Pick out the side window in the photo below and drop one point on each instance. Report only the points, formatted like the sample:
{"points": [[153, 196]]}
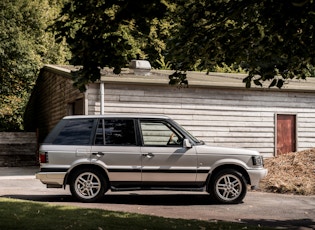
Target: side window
{"points": [[159, 133], [116, 131], [75, 132]]}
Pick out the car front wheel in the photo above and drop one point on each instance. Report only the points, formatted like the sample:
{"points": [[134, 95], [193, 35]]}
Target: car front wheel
{"points": [[88, 185], [228, 187]]}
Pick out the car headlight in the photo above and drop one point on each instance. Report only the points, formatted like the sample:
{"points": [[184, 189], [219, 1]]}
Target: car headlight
{"points": [[258, 160]]}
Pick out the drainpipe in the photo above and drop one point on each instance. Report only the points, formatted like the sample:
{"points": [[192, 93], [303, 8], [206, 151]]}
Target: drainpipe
{"points": [[102, 97], [86, 102]]}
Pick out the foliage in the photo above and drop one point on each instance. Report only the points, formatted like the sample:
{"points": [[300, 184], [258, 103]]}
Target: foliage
{"points": [[24, 47], [178, 78], [272, 40], [17, 214], [110, 34]]}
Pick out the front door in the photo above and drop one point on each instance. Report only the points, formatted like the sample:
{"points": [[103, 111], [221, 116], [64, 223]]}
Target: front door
{"points": [[286, 133], [165, 161]]}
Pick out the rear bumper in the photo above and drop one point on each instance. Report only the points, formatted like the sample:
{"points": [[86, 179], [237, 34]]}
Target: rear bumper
{"points": [[52, 178], [256, 175]]}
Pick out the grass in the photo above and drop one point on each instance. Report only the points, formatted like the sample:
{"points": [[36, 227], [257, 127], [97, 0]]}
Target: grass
{"points": [[17, 214]]}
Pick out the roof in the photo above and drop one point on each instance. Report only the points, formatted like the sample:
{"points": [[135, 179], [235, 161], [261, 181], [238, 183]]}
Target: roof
{"points": [[195, 79], [119, 115]]}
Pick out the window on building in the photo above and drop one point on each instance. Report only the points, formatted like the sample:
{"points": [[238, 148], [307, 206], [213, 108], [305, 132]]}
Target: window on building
{"points": [[76, 107]]}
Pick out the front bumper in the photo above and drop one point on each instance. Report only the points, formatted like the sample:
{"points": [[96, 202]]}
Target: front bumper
{"points": [[256, 175]]}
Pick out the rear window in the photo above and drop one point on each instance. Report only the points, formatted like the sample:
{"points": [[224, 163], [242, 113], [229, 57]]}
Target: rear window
{"points": [[75, 132]]}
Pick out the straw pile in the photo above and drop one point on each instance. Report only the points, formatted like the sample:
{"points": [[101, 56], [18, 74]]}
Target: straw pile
{"points": [[292, 173]]}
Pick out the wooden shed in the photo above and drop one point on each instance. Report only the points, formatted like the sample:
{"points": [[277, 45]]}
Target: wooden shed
{"points": [[216, 108]]}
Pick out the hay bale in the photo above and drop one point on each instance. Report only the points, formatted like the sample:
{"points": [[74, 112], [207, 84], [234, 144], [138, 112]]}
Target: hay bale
{"points": [[292, 173]]}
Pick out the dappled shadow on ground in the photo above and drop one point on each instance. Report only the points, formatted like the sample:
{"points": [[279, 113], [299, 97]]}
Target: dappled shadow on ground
{"points": [[42, 198], [299, 224], [178, 200]]}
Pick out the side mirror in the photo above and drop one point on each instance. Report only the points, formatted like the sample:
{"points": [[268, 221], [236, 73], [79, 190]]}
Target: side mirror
{"points": [[186, 143]]}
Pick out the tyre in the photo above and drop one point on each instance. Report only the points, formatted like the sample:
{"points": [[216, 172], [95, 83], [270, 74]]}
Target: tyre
{"points": [[228, 187], [88, 185]]}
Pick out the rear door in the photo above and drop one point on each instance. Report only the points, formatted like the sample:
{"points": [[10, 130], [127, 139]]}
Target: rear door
{"points": [[165, 162], [116, 146]]}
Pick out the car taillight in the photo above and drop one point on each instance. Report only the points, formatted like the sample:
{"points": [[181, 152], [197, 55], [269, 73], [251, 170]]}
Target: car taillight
{"points": [[43, 157]]}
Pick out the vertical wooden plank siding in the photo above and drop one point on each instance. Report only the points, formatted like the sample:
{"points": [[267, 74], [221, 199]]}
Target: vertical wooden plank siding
{"points": [[220, 117]]}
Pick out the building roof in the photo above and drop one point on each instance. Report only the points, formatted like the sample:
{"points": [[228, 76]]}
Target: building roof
{"points": [[195, 79]]}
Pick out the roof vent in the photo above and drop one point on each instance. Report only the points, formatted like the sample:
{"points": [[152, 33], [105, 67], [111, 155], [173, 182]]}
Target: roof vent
{"points": [[140, 67]]}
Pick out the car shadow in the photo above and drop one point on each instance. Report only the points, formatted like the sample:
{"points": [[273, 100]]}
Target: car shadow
{"points": [[129, 199], [159, 199]]}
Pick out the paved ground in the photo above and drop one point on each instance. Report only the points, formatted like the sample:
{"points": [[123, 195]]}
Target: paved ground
{"points": [[264, 209]]}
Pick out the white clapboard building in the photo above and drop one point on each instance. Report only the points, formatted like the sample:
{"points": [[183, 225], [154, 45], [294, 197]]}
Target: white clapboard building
{"points": [[215, 107]]}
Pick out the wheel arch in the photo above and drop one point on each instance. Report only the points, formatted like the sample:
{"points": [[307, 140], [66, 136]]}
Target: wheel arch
{"points": [[86, 166], [228, 166]]}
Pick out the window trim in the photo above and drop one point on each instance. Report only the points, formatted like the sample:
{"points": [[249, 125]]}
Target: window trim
{"points": [[171, 126], [104, 131]]}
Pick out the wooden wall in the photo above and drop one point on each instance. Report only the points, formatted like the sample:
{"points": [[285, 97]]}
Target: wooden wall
{"points": [[18, 149], [50, 101], [221, 117], [232, 118]]}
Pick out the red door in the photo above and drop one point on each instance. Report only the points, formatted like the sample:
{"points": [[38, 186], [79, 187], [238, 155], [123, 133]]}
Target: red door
{"points": [[286, 133]]}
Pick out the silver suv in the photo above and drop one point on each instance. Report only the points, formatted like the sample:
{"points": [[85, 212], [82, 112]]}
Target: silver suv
{"points": [[95, 153]]}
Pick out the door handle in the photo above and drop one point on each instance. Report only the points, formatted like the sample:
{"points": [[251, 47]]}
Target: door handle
{"points": [[148, 155], [98, 154]]}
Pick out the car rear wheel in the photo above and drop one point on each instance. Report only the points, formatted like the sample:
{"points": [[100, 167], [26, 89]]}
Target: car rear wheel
{"points": [[88, 185], [228, 187]]}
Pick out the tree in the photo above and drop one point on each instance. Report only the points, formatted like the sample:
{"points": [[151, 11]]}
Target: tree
{"points": [[272, 40], [24, 47], [109, 34]]}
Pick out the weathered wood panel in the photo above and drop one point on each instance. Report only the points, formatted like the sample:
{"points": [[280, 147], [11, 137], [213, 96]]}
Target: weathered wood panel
{"points": [[18, 149]]}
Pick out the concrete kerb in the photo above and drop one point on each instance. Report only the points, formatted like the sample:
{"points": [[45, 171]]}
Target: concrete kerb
{"points": [[7, 173]]}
